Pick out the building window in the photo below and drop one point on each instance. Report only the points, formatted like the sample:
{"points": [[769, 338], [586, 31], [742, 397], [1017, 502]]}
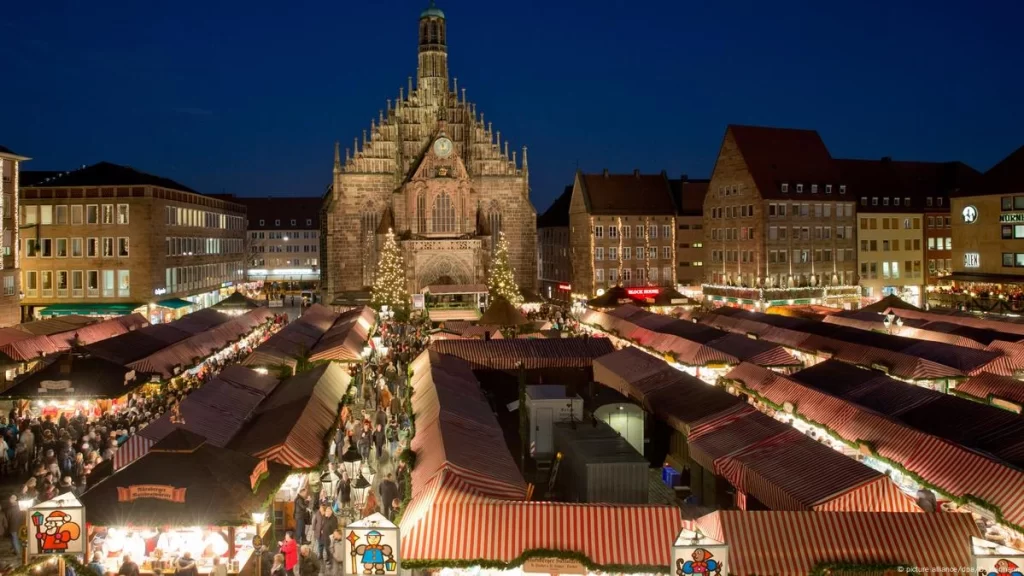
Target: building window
{"points": [[62, 283], [814, 188], [47, 248], [599, 275], [77, 283], [293, 222], [653, 230], [122, 247], [785, 187], [443, 217], [874, 201], [62, 214], [639, 231], [263, 222], [46, 277], [92, 214], [863, 200], [599, 253], [62, 247], [46, 215], [627, 253], [31, 283], [108, 247], [626, 230], [799, 188], [92, 283], [123, 284], [9, 285], [76, 215], [122, 213], [92, 248], [666, 230], [842, 188], [108, 213], [598, 231], [928, 201], [666, 252], [109, 287], [828, 188]]}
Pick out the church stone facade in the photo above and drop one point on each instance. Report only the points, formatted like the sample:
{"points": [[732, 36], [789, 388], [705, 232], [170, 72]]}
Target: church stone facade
{"points": [[433, 170]]}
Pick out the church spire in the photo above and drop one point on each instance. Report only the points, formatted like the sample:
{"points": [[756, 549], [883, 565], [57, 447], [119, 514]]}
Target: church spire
{"points": [[432, 74], [337, 157]]}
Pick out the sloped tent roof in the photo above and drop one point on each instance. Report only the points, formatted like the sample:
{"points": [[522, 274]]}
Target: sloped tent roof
{"points": [[56, 325], [612, 297], [17, 346], [216, 482], [186, 353], [457, 431], [795, 543], [295, 340], [502, 313], [532, 353], [986, 386], [236, 301], [102, 330], [890, 302], [947, 466], [89, 377], [137, 344], [292, 425], [346, 338], [218, 409]]}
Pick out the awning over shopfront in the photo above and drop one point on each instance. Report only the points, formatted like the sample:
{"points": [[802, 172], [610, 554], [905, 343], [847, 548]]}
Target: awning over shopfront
{"points": [[138, 344], [186, 353], [345, 339], [174, 303], [295, 340], [88, 309], [798, 543], [184, 481], [457, 524], [943, 464], [75, 377], [456, 430], [530, 353], [292, 426]]}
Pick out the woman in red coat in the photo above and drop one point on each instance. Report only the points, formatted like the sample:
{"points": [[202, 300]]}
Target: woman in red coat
{"points": [[290, 549]]}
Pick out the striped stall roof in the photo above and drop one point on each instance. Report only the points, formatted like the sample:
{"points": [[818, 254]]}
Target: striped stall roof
{"points": [[102, 330], [460, 524], [1010, 360], [190, 351], [688, 342], [790, 471], [758, 352], [532, 353], [986, 386], [795, 543], [295, 340], [623, 369], [987, 323], [456, 430], [732, 434], [134, 447], [346, 338]]}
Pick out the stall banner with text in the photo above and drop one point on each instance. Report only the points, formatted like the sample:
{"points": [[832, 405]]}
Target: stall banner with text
{"points": [[372, 546], [56, 529], [154, 491], [553, 566]]}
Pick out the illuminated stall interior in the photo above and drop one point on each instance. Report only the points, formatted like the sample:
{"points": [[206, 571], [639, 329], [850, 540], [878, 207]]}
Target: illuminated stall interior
{"points": [[74, 384], [183, 495]]}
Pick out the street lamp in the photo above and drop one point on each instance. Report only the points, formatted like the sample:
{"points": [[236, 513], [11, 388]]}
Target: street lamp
{"points": [[360, 490], [890, 320], [257, 541], [351, 460]]}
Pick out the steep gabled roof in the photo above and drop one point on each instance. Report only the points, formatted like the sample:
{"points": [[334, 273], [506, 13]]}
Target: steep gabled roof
{"points": [[557, 215], [8, 152], [901, 179], [784, 155], [263, 213], [108, 174], [636, 193], [1006, 177], [689, 195]]}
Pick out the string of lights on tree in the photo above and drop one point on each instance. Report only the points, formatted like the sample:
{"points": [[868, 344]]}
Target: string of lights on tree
{"points": [[501, 280], [389, 287]]}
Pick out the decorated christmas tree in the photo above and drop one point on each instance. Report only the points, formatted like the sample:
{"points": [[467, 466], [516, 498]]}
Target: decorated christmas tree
{"points": [[389, 287], [501, 282]]}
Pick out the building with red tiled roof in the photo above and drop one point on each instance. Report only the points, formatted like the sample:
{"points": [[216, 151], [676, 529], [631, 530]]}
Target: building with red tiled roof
{"points": [[689, 198], [283, 238], [621, 231]]}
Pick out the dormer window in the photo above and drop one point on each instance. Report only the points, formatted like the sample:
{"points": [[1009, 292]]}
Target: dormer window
{"points": [[263, 223], [928, 202], [277, 222], [885, 201], [863, 200], [842, 188], [785, 187], [828, 188], [906, 201], [814, 188], [940, 201], [874, 200], [799, 188], [895, 201]]}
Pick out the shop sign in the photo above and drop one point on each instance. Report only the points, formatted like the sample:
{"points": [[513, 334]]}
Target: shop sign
{"points": [[373, 547], [565, 287], [970, 214], [54, 385], [151, 491], [553, 566], [992, 559], [57, 527], [1011, 218], [258, 473], [972, 260], [418, 302], [160, 291], [643, 291], [694, 554], [129, 377]]}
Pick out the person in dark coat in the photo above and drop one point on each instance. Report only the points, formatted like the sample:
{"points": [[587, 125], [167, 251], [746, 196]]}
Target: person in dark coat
{"points": [[128, 568], [388, 494], [379, 438], [327, 527], [301, 514]]}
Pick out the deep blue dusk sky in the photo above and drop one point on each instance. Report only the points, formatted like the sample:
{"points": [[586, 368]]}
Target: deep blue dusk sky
{"points": [[248, 97]]}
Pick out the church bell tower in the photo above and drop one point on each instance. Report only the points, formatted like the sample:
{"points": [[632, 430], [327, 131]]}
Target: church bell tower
{"points": [[432, 75]]}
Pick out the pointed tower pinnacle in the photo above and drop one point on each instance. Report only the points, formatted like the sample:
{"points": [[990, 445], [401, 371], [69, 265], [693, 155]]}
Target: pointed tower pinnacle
{"points": [[337, 157], [526, 166]]}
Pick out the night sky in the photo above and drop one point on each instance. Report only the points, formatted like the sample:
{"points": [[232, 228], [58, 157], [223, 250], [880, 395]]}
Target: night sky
{"points": [[249, 97]]}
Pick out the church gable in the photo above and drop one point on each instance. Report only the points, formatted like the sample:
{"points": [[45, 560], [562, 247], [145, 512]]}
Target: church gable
{"points": [[441, 160]]}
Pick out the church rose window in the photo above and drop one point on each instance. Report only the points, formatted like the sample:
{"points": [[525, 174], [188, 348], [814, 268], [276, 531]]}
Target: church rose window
{"points": [[443, 213]]}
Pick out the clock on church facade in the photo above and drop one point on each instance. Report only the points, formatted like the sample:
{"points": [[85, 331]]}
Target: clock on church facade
{"points": [[431, 169]]}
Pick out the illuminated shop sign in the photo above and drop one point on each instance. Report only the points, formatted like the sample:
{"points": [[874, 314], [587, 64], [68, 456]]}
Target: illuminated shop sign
{"points": [[972, 260], [565, 287], [970, 214], [1012, 217], [643, 291]]}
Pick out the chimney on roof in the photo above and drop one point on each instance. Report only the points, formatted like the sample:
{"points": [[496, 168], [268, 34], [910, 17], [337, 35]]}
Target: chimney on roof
{"points": [[685, 177], [636, 172], [605, 172]]}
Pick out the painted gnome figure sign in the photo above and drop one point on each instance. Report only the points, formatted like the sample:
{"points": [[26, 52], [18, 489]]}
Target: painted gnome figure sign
{"points": [[55, 531], [373, 555], [373, 547]]}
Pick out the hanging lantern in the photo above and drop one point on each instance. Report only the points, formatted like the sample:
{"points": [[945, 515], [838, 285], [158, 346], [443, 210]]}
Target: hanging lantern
{"points": [[360, 490], [351, 461]]}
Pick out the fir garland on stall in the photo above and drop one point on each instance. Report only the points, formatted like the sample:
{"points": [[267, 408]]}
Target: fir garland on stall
{"points": [[538, 553], [389, 286], [501, 279]]}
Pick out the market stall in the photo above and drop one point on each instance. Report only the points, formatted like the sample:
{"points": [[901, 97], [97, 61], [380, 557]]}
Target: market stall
{"points": [[74, 384], [294, 340], [345, 340], [184, 496]]}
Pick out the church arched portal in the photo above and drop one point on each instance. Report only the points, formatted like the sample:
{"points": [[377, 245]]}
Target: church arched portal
{"points": [[445, 270]]}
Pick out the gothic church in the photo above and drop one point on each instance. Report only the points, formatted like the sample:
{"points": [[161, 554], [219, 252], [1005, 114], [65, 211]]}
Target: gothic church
{"points": [[432, 170]]}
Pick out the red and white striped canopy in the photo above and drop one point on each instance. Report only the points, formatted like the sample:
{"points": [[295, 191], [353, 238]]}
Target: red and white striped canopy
{"points": [[134, 447], [794, 543], [986, 386]]}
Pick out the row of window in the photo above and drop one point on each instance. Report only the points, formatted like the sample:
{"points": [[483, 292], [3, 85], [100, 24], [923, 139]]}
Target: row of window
{"points": [[939, 265], [1012, 231], [890, 270], [825, 277], [188, 278], [77, 283], [742, 211], [276, 262], [631, 276], [941, 243], [937, 222], [800, 256], [814, 188], [1009, 203], [294, 235], [293, 222], [74, 214], [890, 223], [691, 245], [893, 245], [627, 252], [930, 201], [804, 233], [689, 226], [196, 218], [818, 210], [613, 231], [94, 247], [688, 264], [290, 248], [201, 246]]}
